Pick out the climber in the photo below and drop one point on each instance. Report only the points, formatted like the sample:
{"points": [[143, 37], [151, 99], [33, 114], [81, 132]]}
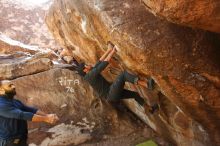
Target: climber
{"points": [[14, 116], [114, 91]]}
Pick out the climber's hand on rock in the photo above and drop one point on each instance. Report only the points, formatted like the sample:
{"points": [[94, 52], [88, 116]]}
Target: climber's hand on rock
{"points": [[116, 48], [110, 46], [110, 49]]}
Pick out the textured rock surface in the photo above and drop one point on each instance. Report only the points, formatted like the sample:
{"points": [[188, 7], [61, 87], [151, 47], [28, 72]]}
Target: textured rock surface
{"points": [[195, 13], [60, 91], [18, 59], [51, 92], [82, 115], [176, 57], [23, 20], [22, 67]]}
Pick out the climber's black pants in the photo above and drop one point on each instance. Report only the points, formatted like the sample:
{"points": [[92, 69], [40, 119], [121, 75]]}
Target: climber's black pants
{"points": [[118, 92]]}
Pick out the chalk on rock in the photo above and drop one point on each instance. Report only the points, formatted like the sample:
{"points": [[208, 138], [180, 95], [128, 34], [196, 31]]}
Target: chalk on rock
{"points": [[63, 106], [68, 59]]}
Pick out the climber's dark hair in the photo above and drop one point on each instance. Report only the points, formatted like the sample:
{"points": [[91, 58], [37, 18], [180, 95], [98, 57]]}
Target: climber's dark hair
{"points": [[79, 68]]}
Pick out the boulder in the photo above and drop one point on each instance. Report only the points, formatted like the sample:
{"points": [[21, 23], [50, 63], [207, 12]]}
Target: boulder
{"points": [[12, 68], [18, 59], [175, 57], [194, 13], [9, 46], [66, 94], [26, 22], [83, 116]]}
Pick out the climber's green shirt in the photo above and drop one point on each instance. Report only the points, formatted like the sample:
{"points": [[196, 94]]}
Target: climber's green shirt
{"points": [[96, 80]]}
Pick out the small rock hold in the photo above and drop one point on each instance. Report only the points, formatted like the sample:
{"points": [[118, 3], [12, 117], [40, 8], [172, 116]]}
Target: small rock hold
{"points": [[63, 106], [68, 59]]}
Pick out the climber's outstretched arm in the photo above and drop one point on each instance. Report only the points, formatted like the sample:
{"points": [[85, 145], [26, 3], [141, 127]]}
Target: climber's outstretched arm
{"points": [[108, 58], [101, 65], [110, 47]]}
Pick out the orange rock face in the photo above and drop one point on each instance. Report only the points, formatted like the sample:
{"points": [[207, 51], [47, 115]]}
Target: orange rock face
{"points": [[176, 57], [195, 13]]}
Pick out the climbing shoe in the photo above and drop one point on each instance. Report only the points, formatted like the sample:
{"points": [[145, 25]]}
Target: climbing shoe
{"points": [[150, 84], [154, 108]]}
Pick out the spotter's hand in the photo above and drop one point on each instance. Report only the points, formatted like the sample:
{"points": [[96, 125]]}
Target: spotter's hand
{"points": [[52, 118]]}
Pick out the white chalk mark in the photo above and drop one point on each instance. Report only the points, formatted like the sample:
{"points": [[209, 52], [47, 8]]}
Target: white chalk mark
{"points": [[69, 82], [63, 106], [76, 82], [83, 24], [70, 89]]}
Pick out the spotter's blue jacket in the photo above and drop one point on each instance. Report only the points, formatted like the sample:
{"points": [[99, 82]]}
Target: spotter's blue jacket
{"points": [[13, 118]]}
